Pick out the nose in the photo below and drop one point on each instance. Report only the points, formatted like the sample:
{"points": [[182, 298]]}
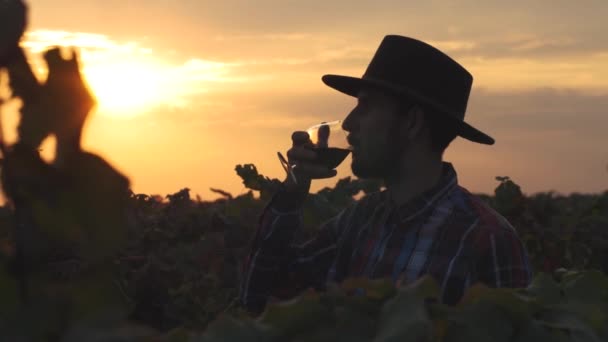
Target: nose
{"points": [[348, 124]]}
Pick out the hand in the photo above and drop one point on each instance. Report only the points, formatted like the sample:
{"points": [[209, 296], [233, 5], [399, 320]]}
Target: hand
{"points": [[302, 156]]}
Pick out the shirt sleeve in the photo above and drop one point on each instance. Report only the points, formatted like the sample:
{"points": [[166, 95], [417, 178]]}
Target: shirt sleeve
{"points": [[504, 261], [277, 267]]}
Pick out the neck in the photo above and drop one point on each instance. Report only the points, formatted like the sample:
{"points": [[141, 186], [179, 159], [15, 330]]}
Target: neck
{"points": [[414, 177]]}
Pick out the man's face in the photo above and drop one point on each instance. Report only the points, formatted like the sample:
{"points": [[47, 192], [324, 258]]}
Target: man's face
{"points": [[373, 127]]}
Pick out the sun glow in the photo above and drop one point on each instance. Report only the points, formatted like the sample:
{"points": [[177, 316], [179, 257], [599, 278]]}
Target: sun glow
{"points": [[125, 88], [126, 78]]}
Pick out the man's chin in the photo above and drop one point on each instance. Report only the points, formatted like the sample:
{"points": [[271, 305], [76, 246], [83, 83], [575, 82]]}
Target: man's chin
{"points": [[362, 170], [377, 168]]}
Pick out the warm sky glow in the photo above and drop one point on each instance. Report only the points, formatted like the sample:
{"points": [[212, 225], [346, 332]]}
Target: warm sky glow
{"points": [[127, 79], [188, 89], [140, 89]]}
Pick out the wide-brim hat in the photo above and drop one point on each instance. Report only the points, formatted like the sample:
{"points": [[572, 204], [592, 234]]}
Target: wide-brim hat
{"points": [[412, 69]]}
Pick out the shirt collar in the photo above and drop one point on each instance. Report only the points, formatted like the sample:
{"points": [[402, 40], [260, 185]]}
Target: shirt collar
{"points": [[428, 199]]}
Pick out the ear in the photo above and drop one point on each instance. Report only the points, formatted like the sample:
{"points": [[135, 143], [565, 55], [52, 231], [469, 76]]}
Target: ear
{"points": [[414, 124]]}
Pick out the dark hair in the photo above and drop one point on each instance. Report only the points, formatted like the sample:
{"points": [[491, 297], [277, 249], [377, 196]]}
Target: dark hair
{"points": [[441, 130]]}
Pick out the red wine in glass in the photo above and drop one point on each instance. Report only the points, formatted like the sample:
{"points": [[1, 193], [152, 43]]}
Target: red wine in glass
{"points": [[331, 144]]}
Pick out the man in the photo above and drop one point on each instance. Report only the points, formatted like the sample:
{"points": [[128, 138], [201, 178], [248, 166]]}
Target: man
{"points": [[411, 104]]}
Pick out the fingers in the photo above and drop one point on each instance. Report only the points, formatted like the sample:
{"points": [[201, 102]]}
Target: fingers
{"points": [[302, 147], [300, 138], [301, 153], [313, 171], [303, 157]]}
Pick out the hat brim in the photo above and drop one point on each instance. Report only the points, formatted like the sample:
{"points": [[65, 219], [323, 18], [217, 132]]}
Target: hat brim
{"points": [[352, 85]]}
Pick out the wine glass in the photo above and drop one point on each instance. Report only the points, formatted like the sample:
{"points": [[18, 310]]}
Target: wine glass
{"points": [[330, 142], [330, 145]]}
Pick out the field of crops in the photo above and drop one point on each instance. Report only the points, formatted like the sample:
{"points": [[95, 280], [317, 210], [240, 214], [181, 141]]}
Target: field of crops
{"points": [[177, 279]]}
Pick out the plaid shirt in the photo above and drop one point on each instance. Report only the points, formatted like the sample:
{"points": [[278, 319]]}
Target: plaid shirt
{"points": [[446, 232]]}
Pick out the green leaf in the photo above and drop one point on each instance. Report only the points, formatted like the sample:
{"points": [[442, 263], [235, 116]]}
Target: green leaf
{"points": [[482, 321], [511, 301], [560, 319], [297, 316], [9, 294], [533, 331], [404, 318], [594, 315], [375, 289], [230, 329], [424, 287], [589, 286], [545, 289], [354, 325]]}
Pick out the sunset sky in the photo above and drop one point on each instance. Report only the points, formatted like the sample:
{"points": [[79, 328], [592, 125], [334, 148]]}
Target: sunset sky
{"points": [[189, 89]]}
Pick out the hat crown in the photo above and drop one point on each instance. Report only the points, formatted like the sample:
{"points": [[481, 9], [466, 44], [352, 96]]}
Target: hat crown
{"points": [[423, 69]]}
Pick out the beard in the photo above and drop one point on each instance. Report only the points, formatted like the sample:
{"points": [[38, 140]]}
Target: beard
{"points": [[378, 159], [379, 165]]}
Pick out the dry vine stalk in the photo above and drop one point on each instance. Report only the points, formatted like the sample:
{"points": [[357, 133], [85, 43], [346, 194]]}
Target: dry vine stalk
{"points": [[13, 21], [70, 214]]}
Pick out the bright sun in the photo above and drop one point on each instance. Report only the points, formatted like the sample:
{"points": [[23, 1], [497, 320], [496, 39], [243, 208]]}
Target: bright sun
{"points": [[124, 88]]}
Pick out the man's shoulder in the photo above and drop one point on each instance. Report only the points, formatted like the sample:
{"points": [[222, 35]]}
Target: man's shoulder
{"points": [[488, 220]]}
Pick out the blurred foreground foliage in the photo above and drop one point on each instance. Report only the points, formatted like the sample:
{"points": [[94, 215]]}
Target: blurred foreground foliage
{"points": [[572, 307], [177, 278]]}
